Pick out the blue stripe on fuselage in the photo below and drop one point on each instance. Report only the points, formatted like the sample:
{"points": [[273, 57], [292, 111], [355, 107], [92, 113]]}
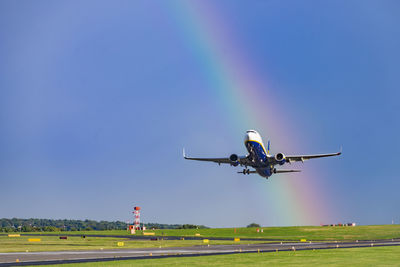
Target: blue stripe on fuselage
{"points": [[257, 152]]}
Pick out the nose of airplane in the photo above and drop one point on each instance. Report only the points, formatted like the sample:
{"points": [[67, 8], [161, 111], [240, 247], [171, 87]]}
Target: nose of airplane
{"points": [[250, 135]]}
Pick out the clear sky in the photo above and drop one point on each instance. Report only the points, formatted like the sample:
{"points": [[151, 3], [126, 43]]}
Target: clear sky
{"points": [[98, 98]]}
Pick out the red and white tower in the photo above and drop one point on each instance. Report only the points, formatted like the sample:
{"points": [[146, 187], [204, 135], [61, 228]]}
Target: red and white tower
{"points": [[136, 214]]}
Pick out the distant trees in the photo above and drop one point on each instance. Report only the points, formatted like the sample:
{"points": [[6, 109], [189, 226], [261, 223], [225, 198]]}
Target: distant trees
{"points": [[191, 226], [253, 225], [48, 225], [162, 226], [50, 229], [38, 225]]}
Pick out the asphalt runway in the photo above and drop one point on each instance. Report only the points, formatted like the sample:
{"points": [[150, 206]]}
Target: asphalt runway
{"points": [[60, 257]]}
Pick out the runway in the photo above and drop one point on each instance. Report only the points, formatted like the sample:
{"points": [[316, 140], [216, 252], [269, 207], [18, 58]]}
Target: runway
{"points": [[60, 257]]}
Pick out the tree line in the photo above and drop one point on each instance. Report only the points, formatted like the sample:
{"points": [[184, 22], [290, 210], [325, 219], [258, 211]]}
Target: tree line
{"points": [[51, 225]]}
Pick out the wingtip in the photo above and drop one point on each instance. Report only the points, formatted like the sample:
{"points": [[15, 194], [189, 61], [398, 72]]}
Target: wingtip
{"points": [[184, 153], [340, 151]]}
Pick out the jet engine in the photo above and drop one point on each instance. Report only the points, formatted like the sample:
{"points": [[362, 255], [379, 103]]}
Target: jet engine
{"points": [[280, 158], [234, 160]]}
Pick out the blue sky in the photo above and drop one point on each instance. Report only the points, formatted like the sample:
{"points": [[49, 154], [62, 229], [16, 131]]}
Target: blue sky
{"points": [[97, 99]]}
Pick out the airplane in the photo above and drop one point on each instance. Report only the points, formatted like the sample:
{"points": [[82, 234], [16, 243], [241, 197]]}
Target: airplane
{"points": [[259, 158]]}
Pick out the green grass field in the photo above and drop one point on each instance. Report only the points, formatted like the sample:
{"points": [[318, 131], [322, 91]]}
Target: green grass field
{"points": [[296, 233], [378, 256], [277, 233], [53, 243]]}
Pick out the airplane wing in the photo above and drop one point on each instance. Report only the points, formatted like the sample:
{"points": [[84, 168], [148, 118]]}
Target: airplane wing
{"points": [[242, 160], [216, 160], [307, 157]]}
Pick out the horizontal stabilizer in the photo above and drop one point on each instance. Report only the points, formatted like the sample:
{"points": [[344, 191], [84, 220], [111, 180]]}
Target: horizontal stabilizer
{"points": [[284, 171], [247, 172]]}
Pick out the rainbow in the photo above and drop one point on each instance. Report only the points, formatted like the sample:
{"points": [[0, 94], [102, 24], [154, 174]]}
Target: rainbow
{"points": [[298, 200]]}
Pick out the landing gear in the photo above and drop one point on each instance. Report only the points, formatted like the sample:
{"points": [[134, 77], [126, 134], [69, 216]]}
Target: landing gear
{"points": [[246, 171]]}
